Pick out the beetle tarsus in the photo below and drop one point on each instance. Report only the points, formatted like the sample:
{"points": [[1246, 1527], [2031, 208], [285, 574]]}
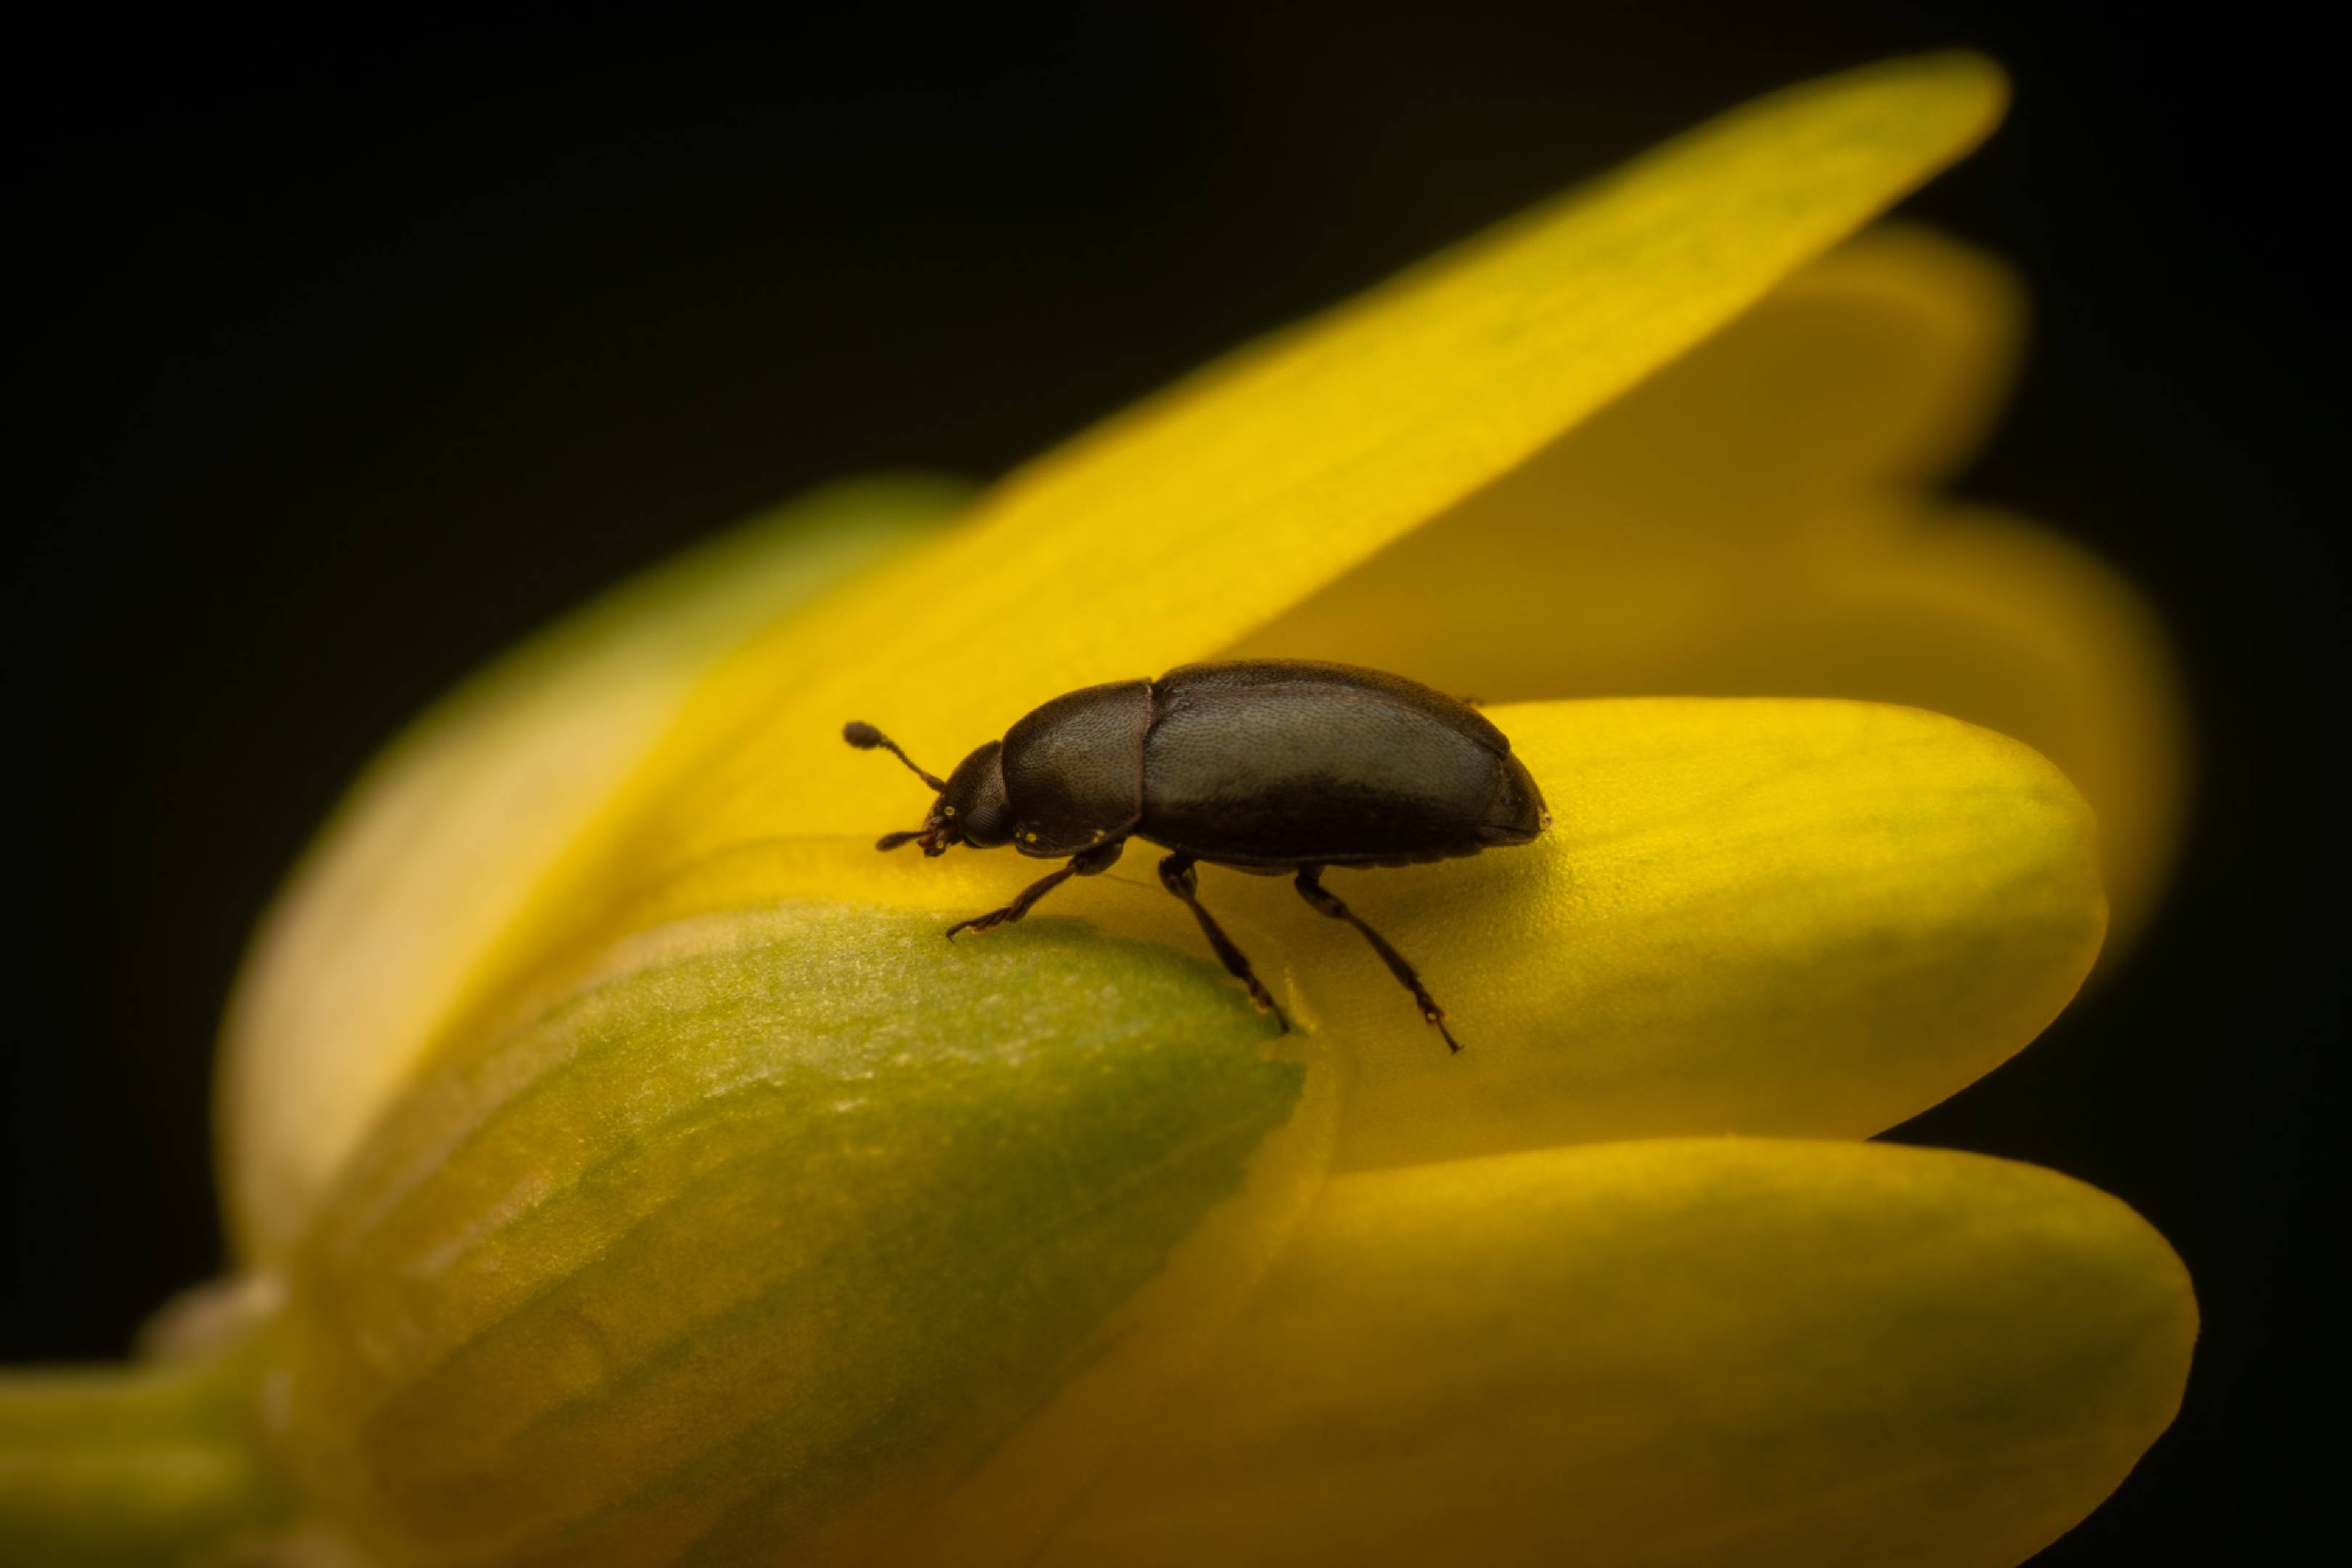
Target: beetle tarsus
{"points": [[1086, 863], [1311, 887], [979, 922], [1176, 874]]}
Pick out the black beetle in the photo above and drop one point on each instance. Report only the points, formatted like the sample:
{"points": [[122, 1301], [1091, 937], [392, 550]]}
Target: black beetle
{"points": [[1265, 765]]}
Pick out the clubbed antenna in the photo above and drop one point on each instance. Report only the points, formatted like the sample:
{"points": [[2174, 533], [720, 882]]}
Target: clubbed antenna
{"points": [[865, 737]]}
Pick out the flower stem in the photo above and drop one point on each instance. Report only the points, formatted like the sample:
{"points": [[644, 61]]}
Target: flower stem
{"points": [[148, 1464]]}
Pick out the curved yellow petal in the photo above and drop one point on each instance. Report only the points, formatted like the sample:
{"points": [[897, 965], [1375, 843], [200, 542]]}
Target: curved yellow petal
{"points": [[1878, 366], [1793, 918], [436, 846], [1995, 620], [1554, 585], [1716, 1353], [1914, 338], [1178, 526], [777, 1229], [1738, 525], [1811, 918]]}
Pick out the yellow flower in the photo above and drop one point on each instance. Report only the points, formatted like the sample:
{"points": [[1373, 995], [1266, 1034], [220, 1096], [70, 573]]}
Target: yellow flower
{"points": [[627, 1172]]}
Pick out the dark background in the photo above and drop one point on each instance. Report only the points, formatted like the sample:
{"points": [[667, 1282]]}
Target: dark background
{"points": [[352, 356]]}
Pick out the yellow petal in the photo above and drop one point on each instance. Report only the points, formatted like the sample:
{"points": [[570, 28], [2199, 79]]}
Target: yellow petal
{"points": [[1875, 367], [778, 1229], [430, 854], [1810, 918], [1880, 364], [1793, 918], [1995, 620], [1914, 339], [1736, 526], [1712, 1353], [1180, 525]]}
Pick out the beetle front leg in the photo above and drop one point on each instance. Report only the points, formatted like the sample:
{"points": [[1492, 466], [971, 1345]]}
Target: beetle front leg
{"points": [[1085, 863], [1176, 874], [1310, 887]]}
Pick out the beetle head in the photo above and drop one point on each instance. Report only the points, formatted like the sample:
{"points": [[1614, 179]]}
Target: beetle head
{"points": [[971, 808]]}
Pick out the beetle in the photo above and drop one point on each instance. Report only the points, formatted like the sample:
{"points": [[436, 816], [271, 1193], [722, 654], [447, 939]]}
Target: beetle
{"points": [[1264, 766]]}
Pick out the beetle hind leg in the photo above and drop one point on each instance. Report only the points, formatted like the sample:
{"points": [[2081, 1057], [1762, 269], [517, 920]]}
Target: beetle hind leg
{"points": [[1310, 887], [1176, 874], [1086, 863]]}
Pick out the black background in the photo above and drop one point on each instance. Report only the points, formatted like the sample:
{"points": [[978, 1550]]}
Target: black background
{"points": [[353, 355]]}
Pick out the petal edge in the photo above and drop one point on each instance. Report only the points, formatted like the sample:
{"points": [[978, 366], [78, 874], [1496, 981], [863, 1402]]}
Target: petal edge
{"points": [[1685, 1353]]}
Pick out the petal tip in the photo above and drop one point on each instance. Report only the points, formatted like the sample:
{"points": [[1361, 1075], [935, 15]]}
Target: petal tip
{"points": [[1969, 76]]}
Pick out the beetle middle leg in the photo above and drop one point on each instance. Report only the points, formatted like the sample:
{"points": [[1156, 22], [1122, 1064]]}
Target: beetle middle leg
{"points": [[1310, 887], [1085, 863], [1176, 874]]}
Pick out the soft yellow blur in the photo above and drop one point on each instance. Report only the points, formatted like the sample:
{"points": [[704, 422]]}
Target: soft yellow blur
{"points": [[1752, 520], [1723, 1354]]}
